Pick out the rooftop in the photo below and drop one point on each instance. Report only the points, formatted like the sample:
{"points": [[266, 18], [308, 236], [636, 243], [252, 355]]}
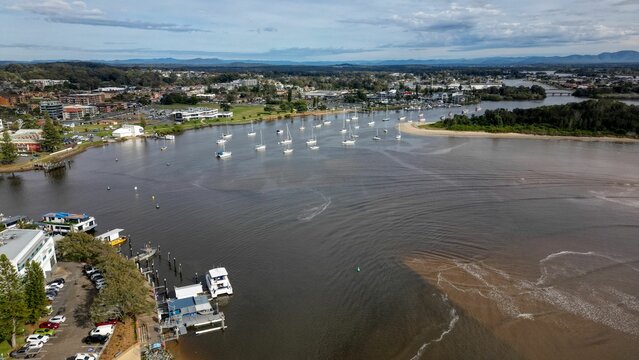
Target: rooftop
{"points": [[218, 272], [13, 241]]}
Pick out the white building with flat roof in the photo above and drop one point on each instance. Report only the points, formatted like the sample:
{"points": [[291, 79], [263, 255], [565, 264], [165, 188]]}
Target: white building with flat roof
{"points": [[22, 246], [128, 131]]}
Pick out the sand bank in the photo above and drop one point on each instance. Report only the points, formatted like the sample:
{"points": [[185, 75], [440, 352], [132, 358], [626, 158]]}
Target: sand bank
{"points": [[415, 130]]}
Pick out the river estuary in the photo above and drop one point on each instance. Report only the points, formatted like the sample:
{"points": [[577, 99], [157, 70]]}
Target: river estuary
{"points": [[499, 247]]}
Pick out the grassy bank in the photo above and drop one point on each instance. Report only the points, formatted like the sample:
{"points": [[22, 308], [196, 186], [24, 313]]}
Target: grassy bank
{"points": [[48, 158]]}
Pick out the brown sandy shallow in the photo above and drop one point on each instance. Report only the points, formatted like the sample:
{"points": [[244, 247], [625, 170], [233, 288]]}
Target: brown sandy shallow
{"points": [[415, 130], [519, 314]]}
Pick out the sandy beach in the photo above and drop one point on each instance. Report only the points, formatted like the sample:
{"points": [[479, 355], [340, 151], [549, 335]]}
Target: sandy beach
{"points": [[415, 130]]}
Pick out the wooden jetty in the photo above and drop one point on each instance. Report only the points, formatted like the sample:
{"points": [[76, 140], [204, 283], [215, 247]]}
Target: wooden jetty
{"points": [[50, 166]]}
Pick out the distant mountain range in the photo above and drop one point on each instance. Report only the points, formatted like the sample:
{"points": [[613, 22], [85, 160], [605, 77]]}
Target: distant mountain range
{"points": [[620, 57]]}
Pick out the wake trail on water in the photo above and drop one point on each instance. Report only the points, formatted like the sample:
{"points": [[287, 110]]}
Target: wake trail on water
{"points": [[309, 214], [451, 325]]}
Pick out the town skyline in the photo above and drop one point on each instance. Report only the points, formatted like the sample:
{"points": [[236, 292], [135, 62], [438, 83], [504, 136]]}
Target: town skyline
{"points": [[309, 31]]}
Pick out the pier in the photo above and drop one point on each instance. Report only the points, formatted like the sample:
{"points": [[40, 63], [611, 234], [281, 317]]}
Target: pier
{"points": [[50, 166]]}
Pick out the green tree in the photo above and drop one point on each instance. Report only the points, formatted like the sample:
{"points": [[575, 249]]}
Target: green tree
{"points": [[51, 137], [289, 95], [13, 309], [143, 123], [80, 247], [8, 150], [226, 106], [35, 297]]}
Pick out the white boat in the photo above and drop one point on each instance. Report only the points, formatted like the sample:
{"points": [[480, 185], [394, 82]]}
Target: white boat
{"points": [[287, 140], [169, 137], [288, 150], [218, 282], [327, 122], [223, 154], [302, 128], [314, 147], [312, 141], [227, 134], [252, 133], [465, 111], [402, 118], [163, 148], [343, 131], [371, 123], [355, 118], [399, 133], [478, 109], [279, 131], [376, 137], [221, 141], [63, 223], [318, 126], [260, 146], [350, 140]]}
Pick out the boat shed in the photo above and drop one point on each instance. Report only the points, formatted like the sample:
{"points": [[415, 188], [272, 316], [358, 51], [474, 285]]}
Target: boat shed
{"points": [[189, 306], [110, 235], [188, 291]]}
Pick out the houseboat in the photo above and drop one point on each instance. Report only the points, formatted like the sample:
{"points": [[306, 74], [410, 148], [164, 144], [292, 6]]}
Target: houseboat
{"points": [[218, 282], [113, 237], [64, 223]]}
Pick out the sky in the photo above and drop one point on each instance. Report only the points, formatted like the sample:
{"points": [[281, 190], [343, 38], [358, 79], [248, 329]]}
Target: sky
{"points": [[304, 30]]}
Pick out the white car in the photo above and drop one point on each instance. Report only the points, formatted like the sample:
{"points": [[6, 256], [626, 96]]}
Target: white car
{"points": [[34, 345], [58, 319], [85, 356], [37, 338], [102, 330]]}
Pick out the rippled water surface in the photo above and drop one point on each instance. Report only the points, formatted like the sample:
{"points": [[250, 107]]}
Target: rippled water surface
{"points": [[556, 221]]}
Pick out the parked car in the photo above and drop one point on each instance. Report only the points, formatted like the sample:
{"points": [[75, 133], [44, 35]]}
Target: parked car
{"points": [[49, 325], [57, 284], [85, 356], [58, 319], [58, 280], [102, 330], [100, 286], [95, 275], [44, 331], [96, 339], [34, 345], [37, 338], [108, 322], [50, 297], [51, 288], [24, 353], [90, 271]]}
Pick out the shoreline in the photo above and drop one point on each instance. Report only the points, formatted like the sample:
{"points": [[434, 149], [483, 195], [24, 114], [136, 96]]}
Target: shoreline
{"points": [[413, 129], [30, 165]]}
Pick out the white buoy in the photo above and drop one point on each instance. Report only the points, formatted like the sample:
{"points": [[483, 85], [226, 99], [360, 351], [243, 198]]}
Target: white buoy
{"points": [[135, 188], [108, 188]]}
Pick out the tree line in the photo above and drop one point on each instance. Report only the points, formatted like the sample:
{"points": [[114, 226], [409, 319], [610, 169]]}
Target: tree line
{"points": [[592, 117], [507, 93], [22, 298]]}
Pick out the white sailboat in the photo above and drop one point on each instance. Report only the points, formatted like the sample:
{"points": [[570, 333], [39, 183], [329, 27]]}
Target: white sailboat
{"points": [[371, 123], [312, 141], [252, 132], [343, 131], [350, 140], [223, 154], [287, 140], [376, 137], [288, 150], [386, 118], [399, 132], [220, 141], [228, 133], [260, 146]]}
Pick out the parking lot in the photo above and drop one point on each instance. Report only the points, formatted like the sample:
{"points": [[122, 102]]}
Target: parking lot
{"points": [[73, 301]]}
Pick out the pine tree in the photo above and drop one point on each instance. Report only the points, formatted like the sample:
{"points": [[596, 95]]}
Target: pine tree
{"points": [[52, 136], [13, 310], [8, 150], [36, 299]]}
